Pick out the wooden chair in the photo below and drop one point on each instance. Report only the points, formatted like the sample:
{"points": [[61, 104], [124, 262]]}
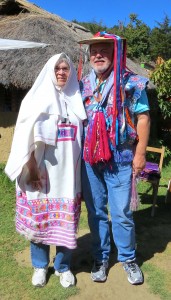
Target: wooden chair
{"points": [[168, 193], [152, 173]]}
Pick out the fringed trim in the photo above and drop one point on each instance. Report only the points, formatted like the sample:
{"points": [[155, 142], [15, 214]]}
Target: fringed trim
{"points": [[134, 204]]}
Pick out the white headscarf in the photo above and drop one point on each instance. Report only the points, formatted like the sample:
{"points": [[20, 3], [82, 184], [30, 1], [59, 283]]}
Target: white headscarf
{"points": [[43, 96], [42, 102]]}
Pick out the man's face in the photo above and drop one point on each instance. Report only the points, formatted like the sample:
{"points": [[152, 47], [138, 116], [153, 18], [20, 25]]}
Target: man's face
{"points": [[101, 57]]}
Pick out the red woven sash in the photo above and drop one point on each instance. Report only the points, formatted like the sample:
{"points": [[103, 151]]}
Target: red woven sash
{"points": [[96, 147]]}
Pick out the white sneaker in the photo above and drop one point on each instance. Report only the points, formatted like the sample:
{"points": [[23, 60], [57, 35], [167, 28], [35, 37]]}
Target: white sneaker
{"points": [[39, 277], [67, 279]]}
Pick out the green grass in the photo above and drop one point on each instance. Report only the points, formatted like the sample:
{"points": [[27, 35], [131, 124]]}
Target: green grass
{"points": [[157, 280], [153, 237]]}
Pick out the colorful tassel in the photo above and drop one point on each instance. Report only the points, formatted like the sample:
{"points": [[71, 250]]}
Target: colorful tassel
{"points": [[96, 147], [134, 194]]}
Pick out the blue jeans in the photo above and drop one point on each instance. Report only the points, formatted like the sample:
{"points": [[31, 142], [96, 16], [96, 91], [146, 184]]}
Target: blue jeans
{"points": [[40, 257], [109, 185]]}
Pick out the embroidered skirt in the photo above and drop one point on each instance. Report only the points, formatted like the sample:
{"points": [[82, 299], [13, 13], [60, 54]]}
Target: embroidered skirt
{"points": [[49, 220]]}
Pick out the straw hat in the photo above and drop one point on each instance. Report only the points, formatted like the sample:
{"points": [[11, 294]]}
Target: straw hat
{"points": [[95, 40], [100, 37]]}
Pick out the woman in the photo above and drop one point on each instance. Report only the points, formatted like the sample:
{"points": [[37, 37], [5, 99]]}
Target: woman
{"points": [[45, 160]]}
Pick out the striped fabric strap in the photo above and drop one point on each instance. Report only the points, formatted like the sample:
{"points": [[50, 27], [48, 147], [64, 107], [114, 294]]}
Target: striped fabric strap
{"points": [[119, 62]]}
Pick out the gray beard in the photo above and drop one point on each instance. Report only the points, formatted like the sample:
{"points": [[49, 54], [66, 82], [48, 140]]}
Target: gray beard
{"points": [[100, 70]]}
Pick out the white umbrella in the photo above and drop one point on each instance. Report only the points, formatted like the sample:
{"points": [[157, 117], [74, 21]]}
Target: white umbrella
{"points": [[6, 44]]}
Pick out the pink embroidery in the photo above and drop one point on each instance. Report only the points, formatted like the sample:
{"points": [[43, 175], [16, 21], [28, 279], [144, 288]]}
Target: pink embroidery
{"points": [[66, 132], [48, 220]]}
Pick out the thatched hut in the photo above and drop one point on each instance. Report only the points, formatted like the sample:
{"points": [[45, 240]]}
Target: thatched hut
{"points": [[21, 20], [24, 21]]}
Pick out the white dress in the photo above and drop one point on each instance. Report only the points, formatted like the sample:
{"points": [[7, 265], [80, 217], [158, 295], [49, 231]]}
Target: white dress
{"points": [[51, 216]]}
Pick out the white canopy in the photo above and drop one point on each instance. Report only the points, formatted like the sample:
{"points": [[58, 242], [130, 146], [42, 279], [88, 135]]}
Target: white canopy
{"points": [[6, 44]]}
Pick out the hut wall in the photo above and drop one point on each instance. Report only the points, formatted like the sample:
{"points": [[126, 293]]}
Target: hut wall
{"points": [[10, 100], [7, 121]]}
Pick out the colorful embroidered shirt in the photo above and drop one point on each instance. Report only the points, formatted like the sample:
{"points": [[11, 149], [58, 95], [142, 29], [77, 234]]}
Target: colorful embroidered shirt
{"points": [[135, 102]]}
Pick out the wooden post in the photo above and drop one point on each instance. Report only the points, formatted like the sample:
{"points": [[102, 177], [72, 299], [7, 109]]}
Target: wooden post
{"points": [[168, 194]]}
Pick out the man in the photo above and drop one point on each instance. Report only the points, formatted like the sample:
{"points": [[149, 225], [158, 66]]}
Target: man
{"points": [[116, 137]]}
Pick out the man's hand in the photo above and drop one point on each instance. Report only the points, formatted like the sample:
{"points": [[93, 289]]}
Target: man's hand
{"points": [[138, 163]]}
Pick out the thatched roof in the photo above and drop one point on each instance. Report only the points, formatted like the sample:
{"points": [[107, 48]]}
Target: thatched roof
{"points": [[135, 67], [22, 20]]}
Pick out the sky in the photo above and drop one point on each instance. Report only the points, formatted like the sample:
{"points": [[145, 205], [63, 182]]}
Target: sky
{"points": [[109, 12]]}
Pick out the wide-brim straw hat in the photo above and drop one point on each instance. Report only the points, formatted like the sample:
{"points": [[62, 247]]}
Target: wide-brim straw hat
{"points": [[95, 40], [101, 37]]}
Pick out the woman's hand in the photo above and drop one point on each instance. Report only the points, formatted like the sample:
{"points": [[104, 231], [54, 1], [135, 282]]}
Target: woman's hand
{"points": [[34, 174]]}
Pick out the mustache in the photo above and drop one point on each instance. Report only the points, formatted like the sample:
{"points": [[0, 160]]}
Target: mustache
{"points": [[99, 60]]}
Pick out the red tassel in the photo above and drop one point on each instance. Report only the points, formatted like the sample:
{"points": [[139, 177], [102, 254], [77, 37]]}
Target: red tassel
{"points": [[80, 66], [96, 144]]}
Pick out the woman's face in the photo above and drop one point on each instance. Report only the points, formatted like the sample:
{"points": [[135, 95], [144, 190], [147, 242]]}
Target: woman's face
{"points": [[62, 71]]}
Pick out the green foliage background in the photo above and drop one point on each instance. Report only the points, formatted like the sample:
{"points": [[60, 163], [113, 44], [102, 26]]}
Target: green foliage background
{"points": [[143, 43]]}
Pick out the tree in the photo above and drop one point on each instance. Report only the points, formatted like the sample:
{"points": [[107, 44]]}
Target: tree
{"points": [[137, 33], [93, 26], [162, 79], [160, 40], [144, 44]]}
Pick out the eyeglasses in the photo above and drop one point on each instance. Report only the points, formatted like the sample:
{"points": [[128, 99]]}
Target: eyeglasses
{"points": [[64, 70]]}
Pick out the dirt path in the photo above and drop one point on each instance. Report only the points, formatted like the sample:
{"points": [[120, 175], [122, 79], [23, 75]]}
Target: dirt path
{"points": [[116, 286]]}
